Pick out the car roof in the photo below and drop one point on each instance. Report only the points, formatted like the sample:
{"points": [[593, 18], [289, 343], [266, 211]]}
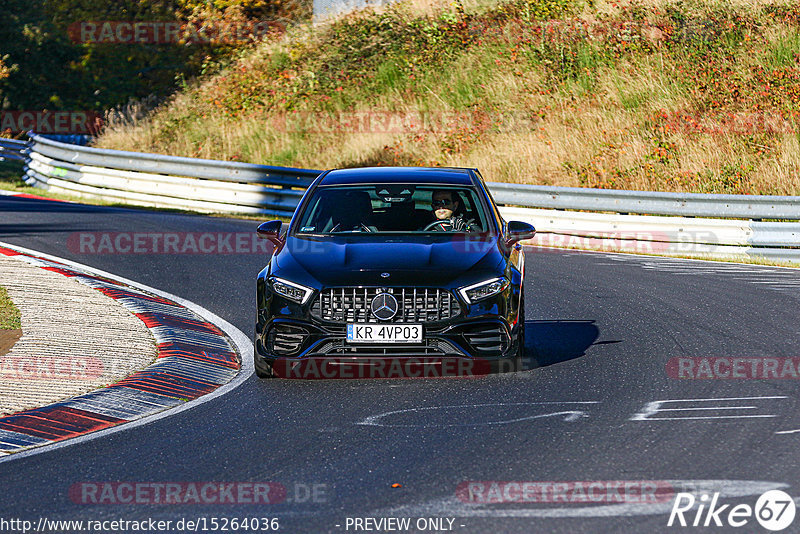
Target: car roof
{"points": [[388, 175]]}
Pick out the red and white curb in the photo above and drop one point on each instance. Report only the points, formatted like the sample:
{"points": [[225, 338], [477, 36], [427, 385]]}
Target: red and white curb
{"points": [[5, 193], [200, 356]]}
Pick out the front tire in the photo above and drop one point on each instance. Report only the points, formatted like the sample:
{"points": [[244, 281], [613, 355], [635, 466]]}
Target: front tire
{"points": [[513, 363], [520, 354], [262, 366]]}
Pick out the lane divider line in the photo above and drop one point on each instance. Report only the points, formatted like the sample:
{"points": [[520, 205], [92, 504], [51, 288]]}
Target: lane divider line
{"points": [[200, 357]]}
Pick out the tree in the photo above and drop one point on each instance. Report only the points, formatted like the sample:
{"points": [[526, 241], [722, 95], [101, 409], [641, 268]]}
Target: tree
{"points": [[48, 65]]}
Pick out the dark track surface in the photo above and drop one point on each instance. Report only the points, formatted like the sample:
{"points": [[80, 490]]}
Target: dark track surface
{"points": [[603, 325]]}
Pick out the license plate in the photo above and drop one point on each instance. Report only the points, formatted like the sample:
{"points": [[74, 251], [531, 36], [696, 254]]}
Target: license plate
{"points": [[384, 333]]}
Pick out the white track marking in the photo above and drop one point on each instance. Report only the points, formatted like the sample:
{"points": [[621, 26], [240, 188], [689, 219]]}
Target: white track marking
{"points": [[725, 398], [655, 407], [709, 408], [777, 278], [569, 415], [242, 342], [707, 417], [639, 258], [780, 287]]}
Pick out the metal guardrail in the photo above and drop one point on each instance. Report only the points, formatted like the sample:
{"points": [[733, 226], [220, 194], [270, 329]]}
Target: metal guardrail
{"points": [[234, 187], [12, 149], [653, 234], [230, 171], [650, 202], [165, 181], [72, 139]]}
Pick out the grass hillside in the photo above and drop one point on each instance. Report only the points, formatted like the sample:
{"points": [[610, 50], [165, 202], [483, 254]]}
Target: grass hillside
{"points": [[670, 96]]}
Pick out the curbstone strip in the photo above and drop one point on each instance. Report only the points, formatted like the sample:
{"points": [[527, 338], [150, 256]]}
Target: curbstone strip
{"points": [[74, 339], [194, 358], [5, 193]]}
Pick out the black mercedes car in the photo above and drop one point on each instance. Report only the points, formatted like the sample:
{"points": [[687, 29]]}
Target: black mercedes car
{"points": [[384, 266]]}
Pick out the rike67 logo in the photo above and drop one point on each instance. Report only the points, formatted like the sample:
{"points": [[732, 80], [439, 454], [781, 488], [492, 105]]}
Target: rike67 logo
{"points": [[774, 510]]}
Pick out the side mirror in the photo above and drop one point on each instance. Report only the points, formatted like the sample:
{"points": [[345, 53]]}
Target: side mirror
{"points": [[519, 231], [271, 230]]}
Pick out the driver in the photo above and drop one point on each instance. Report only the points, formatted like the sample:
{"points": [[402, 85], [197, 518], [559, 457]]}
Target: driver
{"points": [[446, 208]]}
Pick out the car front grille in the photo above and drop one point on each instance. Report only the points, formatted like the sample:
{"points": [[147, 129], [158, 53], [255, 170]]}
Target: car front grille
{"points": [[431, 347], [417, 305]]}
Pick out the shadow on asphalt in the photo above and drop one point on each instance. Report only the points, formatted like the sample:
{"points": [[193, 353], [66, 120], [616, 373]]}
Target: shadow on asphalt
{"points": [[23, 204], [549, 342], [11, 230]]}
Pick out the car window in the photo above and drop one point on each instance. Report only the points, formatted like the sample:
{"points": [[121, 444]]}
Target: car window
{"points": [[392, 208]]}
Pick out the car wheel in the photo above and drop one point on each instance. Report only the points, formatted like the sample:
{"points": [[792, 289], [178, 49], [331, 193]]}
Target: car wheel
{"points": [[520, 355], [513, 363]]}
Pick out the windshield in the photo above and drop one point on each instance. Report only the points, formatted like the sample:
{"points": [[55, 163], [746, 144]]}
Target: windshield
{"points": [[394, 208]]}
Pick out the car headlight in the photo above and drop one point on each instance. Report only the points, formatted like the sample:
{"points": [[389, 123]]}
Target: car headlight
{"points": [[290, 290], [482, 290]]}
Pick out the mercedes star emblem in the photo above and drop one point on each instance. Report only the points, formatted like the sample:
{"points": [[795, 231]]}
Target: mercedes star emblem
{"points": [[385, 275], [384, 306]]}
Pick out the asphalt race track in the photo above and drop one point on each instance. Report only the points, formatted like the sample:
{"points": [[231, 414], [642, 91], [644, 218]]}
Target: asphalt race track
{"points": [[602, 327]]}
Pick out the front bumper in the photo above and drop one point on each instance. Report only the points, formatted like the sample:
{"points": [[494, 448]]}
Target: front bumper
{"points": [[290, 338], [289, 348], [294, 335]]}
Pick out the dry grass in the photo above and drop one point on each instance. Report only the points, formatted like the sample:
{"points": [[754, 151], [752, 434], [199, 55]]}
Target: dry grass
{"points": [[594, 128], [740, 5], [9, 314]]}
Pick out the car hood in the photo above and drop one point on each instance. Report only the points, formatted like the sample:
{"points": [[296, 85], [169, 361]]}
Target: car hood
{"points": [[424, 260]]}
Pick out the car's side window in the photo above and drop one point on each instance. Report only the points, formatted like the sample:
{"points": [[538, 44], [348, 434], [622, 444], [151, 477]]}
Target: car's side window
{"points": [[312, 220], [493, 204]]}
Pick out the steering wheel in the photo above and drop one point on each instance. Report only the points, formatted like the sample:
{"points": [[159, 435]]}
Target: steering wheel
{"points": [[432, 225], [361, 226]]}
